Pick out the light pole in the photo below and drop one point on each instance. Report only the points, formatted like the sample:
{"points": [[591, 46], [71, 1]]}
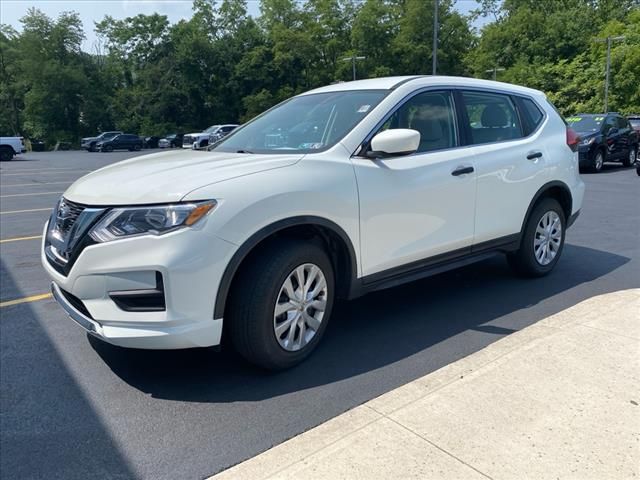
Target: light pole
{"points": [[434, 55], [608, 41], [353, 60], [495, 71]]}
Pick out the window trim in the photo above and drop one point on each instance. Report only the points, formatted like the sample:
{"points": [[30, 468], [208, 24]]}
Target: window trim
{"points": [[463, 133]]}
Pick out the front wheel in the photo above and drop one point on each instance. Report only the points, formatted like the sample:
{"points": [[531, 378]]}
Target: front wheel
{"points": [[542, 240], [6, 154], [598, 161], [631, 157], [136, 148], [280, 304]]}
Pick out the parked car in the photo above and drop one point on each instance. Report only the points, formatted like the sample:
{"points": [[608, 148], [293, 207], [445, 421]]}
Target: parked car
{"points": [[340, 191], [125, 141], [606, 137], [11, 146], [634, 120], [90, 143], [151, 142], [201, 140], [215, 135], [173, 140]]}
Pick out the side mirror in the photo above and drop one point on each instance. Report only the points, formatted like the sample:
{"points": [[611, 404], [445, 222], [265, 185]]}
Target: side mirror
{"points": [[394, 142]]}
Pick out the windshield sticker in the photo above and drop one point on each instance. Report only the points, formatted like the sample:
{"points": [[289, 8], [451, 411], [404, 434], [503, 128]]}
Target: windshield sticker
{"points": [[364, 108], [310, 146]]}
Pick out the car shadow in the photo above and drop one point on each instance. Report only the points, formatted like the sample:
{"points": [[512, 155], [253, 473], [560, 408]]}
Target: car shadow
{"points": [[372, 332], [50, 428]]}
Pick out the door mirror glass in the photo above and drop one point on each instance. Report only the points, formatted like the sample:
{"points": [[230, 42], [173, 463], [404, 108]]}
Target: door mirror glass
{"points": [[394, 142]]}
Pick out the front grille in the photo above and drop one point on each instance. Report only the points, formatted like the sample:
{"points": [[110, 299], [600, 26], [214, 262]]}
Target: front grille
{"points": [[67, 234], [66, 215]]}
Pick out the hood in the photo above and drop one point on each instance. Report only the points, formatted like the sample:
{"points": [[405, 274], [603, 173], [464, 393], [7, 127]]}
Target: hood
{"points": [[167, 176], [88, 139]]}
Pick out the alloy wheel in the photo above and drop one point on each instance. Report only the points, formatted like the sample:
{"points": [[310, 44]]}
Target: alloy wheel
{"points": [[548, 238], [300, 307], [599, 161]]}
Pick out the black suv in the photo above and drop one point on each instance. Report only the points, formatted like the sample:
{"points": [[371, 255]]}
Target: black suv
{"points": [[126, 141], [605, 137]]}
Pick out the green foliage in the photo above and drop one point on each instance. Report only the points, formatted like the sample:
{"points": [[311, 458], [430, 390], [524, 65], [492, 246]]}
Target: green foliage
{"points": [[150, 76]]}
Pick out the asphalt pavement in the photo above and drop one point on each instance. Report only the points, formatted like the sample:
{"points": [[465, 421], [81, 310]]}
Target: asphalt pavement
{"points": [[74, 407]]}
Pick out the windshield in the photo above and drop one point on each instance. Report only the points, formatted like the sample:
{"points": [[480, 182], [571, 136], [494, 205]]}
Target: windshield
{"points": [[586, 124], [303, 124], [212, 129]]}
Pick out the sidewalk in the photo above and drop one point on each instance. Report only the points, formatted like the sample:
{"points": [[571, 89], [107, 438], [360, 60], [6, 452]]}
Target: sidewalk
{"points": [[559, 399]]}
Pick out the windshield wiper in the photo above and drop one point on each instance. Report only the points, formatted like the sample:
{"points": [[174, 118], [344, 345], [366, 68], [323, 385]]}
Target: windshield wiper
{"points": [[243, 151]]}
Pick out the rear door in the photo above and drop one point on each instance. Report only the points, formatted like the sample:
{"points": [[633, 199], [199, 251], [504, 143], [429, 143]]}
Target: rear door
{"points": [[510, 161]]}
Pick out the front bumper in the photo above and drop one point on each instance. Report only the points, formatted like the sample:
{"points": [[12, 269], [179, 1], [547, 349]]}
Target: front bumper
{"points": [[191, 263]]}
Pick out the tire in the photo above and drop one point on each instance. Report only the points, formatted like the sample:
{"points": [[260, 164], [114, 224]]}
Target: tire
{"points": [[631, 157], [6, 154], [598, 161], [108, 148], [92, 148], [260, 286], [525, 261], [136, 148]]}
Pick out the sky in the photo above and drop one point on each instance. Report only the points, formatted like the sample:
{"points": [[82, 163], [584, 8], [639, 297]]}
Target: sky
{"points": [[92, 11]]}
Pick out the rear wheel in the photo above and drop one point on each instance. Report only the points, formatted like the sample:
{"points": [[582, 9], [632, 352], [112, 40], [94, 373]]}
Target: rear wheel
{"points": [[542, 240], [6, 154], [631, 157], [136, 148], [281, 303]]}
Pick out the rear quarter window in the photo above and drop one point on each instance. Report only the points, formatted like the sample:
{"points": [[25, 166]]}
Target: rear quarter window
{"points": [[532, 114]]}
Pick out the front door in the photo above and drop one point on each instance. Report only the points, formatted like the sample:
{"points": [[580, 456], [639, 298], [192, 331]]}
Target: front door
{"points": [[417, 206]]}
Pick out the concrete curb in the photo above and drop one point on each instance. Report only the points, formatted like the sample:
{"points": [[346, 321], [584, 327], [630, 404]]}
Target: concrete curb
{"points": [[558, 399]]}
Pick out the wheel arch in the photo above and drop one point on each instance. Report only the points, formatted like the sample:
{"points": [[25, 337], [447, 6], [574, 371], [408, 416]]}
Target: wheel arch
{"points": [[337, 241], [555, 189]]}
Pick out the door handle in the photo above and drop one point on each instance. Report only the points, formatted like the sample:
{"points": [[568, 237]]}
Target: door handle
{"points": [[534, 155], [462, 170]]}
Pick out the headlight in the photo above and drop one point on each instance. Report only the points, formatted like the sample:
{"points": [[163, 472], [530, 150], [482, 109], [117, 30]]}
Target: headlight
{"points": [[153, 220], [588, 141]]}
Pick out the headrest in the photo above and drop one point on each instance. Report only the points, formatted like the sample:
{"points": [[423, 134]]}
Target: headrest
{"points": [[494, 116]]}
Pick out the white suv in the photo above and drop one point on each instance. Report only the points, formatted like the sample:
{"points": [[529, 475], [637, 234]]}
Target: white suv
{"points": [[337, 192]]}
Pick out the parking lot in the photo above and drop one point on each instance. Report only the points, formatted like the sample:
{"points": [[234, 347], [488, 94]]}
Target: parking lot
{"points": [[73, 407]]}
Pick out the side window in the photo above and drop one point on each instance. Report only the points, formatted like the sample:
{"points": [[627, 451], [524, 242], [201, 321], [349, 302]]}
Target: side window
{"points": [[492, 117], [430, 113], [622, 123], [609, 123], [532, 114]]}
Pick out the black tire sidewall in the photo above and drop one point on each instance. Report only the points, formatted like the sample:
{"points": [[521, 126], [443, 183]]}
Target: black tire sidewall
{"points": [[265, 276], [6, 155]]}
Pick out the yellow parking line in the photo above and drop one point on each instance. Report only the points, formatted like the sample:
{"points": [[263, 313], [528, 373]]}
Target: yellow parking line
{"points": [[26, 211], [32, 298], [18, 239], [35, 184], [29, 194]]}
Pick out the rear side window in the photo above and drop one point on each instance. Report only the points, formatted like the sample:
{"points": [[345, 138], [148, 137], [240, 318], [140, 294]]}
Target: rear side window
{"points": [[492, 117], [622, 123], [531, 115]]}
